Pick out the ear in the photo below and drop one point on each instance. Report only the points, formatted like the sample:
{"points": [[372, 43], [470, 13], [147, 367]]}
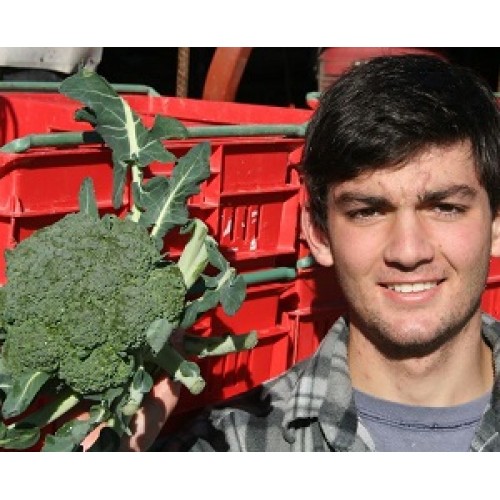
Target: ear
{"points": [[317, 240], [495, 235]]}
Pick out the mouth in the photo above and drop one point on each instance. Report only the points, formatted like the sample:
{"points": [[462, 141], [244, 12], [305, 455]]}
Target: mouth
{"points": [[416, 287]]}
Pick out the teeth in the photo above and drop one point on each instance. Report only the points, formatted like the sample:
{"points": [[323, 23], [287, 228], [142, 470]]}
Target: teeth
{"points": [[412, 287]]}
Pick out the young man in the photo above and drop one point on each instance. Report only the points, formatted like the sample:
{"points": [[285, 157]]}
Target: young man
{"points": [[402, 167]]}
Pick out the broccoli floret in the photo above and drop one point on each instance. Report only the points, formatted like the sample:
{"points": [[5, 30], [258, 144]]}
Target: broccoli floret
{"points": [[29, 347], [102, 369], [79, 298], [166, 291]]}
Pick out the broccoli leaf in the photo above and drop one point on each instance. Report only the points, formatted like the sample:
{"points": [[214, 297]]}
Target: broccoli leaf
{"points": [[220, 345], [194, 258], [229, 290], [188, 373], [120, 169], [226, 288], [69, 436], [141, 384], [164, 201], [209, 300], [108, 396], [5, 382], [158, 333], [22, 393], [230, 287], [159, 205], [18, 438], [119, 126], [232, 294], [86, 115]]}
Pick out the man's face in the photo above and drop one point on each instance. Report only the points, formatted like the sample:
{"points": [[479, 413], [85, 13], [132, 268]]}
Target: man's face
{"points": [[411, 247]]}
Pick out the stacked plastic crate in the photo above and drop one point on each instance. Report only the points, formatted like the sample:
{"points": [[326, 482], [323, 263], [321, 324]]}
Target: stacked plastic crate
{"points": [[251, 203]]}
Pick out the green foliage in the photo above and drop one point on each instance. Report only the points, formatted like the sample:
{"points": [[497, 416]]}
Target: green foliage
{"points": [[90, 301], [120, 127]]}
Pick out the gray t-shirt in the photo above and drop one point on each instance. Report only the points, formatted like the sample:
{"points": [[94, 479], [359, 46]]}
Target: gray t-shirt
{"points": [[400, 427]]}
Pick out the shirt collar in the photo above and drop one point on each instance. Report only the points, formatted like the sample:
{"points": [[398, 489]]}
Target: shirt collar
{"points": [[324, 392]]}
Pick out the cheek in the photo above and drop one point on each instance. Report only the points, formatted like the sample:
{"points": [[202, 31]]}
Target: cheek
{"points": [[465, 245], [355, 253]]}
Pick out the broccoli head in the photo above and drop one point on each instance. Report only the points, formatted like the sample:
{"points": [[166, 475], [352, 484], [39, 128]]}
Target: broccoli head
{"points": [[80, 296]]}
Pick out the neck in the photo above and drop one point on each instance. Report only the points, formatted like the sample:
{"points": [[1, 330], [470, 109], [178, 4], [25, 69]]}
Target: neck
{"points": [[457, 372]]}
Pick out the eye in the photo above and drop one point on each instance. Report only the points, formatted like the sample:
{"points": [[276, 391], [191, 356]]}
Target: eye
{"points": [[449, 209], [363, 213]]}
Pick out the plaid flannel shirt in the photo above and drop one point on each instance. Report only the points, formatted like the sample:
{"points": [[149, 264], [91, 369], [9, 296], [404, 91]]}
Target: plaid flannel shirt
{"points": [[311, 408]]}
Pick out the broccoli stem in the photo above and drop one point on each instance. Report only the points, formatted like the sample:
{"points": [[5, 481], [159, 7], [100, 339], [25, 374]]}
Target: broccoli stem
{"points": [[218, 346], [137, 177], [141, 384], [194, 257], [50, 411], [179, 369]]}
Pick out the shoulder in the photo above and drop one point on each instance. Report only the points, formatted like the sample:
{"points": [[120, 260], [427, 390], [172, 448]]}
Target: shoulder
{"points": [[490, 329]]}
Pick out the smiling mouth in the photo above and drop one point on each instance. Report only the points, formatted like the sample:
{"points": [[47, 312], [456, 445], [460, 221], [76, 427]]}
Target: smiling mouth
{"points": [[412, 287]]}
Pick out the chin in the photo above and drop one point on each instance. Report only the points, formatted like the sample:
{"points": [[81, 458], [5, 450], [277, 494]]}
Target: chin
{"points": [[418, 339], [410, 346]]}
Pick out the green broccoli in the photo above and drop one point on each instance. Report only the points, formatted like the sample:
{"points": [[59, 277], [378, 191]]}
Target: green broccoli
{"points": [[91, 301], [88, 304], [98, 286]]}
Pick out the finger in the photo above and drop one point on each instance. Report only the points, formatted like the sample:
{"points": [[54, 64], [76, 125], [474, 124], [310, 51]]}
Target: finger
{"points": [[150, 419]]}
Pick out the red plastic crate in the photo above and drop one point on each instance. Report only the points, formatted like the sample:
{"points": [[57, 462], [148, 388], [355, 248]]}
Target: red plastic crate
{"points": [[255, 228], [23, 113], [490, 302], [250, 201]]}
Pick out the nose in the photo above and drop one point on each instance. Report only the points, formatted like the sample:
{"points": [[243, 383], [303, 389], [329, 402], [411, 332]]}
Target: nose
{"points": [[409, 244]]}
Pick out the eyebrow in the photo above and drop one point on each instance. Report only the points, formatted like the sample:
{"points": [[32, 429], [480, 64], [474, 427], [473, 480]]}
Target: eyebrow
{"points": [[348, 198], [352, 197], [460, 190]]}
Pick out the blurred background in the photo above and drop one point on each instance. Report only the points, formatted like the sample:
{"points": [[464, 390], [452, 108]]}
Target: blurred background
{"points": [[280, 76], [263, 75]]}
